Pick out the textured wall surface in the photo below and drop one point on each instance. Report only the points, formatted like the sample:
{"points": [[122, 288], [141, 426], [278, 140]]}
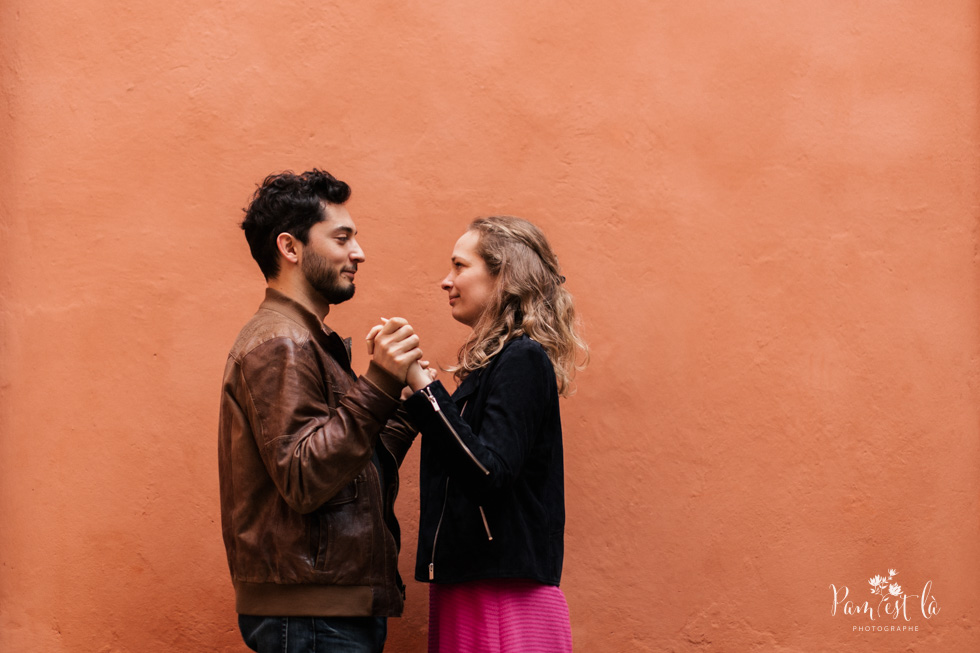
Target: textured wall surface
{"points": [[767, 211]]}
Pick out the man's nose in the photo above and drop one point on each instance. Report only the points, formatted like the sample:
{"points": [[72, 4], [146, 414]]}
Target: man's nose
{"points": [[357, 254]]}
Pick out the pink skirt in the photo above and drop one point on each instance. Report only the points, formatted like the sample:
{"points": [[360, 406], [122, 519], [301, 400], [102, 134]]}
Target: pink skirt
{"points": [[498, 616]]}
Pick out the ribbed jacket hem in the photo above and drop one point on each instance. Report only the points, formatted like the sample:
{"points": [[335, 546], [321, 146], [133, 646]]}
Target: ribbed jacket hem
{"points": [[276, 600]]}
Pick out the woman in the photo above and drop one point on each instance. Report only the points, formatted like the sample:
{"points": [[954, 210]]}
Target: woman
{"points": [[492, 507]]}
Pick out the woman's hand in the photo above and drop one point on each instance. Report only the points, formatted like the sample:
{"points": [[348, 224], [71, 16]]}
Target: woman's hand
{"points": [[420, 375]]}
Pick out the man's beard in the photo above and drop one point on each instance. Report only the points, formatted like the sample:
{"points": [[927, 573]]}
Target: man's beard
{"points": [[325, 280]]}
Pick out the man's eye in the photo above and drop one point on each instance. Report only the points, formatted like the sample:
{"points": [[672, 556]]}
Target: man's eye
{"points": [[342, 239]]}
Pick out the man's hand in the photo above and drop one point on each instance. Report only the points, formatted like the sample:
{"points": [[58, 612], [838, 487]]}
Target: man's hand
{"points": [[393, 346]]}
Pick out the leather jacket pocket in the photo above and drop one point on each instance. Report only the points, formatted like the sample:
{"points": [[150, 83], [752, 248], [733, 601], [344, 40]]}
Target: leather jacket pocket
{"points": [[320, 530], [347, 494]]}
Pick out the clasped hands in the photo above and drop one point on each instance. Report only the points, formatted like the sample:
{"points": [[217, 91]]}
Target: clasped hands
{"points": [[394, 346]]}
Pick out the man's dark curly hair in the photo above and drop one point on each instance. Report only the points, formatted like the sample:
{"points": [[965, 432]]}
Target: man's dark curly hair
{"points": [[287, 203]]}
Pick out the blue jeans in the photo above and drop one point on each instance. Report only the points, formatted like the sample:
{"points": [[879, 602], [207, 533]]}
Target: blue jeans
{"points": [[314, 634]]}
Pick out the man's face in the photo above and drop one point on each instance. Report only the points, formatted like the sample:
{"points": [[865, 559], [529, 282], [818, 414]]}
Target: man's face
{"points": [[331, 255]]}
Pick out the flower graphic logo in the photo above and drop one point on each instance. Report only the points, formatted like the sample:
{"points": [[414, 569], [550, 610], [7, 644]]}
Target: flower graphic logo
{"points": [[892, 602], [880, 583]]}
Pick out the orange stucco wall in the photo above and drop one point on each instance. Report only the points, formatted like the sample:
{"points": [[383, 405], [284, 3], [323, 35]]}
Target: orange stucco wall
{"points": [[766, 210]]}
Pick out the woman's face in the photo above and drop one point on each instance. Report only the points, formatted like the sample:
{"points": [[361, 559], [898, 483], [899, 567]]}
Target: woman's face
{"points": [[468, 283]]}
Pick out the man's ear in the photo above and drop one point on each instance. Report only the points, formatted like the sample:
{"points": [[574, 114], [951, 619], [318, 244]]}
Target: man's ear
{"points": [[288, 247]]}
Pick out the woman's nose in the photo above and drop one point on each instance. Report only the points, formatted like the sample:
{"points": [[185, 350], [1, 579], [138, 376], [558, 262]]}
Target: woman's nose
{"points": [[446, 284]]}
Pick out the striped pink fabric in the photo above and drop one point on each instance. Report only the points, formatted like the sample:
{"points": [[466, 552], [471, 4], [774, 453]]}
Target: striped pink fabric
{"points": [[498, 616]]}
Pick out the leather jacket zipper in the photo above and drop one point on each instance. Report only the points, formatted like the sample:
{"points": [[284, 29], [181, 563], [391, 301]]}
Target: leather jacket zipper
{"points": [[435, 407], [435, 538]]}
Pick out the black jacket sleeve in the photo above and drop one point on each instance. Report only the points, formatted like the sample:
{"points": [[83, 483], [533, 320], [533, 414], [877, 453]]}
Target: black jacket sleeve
{"points": [[520, 387]]}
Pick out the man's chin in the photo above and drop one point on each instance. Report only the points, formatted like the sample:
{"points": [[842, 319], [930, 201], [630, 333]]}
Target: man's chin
{"points": [[338, 295], [348, 294]]}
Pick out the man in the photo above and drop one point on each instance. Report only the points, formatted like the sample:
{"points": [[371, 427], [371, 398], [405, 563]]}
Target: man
{"points": [[308, 452]]}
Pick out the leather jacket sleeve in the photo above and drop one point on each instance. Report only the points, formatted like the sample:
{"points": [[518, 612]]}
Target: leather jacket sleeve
{"points": [[399, 434], [310, 449], [521, 387]]}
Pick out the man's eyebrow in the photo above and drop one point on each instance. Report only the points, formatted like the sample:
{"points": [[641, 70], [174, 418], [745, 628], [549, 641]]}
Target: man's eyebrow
{"points": [[344, 228]]}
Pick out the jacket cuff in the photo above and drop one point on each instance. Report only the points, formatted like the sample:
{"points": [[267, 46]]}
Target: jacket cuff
{"points": [[383, 381], [419, 408]]}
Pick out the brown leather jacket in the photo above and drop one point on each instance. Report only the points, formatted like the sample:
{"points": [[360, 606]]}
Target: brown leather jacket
{"points": [[306, 527]]}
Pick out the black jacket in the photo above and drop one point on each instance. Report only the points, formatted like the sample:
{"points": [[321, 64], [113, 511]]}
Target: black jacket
{"points": [[492, 480]]}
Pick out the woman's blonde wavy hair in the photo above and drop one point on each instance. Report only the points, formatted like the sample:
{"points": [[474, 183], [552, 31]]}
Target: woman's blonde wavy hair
{"points": [[530, 299]]}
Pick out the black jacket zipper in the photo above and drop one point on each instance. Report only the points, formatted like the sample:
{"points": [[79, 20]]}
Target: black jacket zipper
{"points": [[435, 407], [445, 499], [435, 538]]}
